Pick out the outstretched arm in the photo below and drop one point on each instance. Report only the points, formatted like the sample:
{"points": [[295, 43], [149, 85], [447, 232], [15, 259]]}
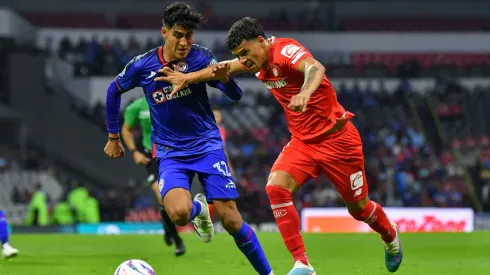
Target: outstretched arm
{"points": [[219, 71]]}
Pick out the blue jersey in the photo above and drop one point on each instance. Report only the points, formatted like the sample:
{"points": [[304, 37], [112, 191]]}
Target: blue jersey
{"points": [[183, 125]]}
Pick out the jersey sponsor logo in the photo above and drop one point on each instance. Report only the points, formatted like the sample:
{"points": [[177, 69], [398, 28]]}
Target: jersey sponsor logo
{"points": [[293, 52], [358, 192], [290, 50], [182, 66], [356, 180], [163, 95], [280, 213], [159, 96], [276, 84]]}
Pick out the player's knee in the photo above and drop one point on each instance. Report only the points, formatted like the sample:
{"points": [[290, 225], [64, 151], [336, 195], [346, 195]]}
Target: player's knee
{"points": [[282, 179], [278, 193], [179, 214]]}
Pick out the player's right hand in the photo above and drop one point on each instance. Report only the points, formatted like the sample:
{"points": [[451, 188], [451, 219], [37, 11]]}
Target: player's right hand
{"points": [[114, 148], [140, 158]]}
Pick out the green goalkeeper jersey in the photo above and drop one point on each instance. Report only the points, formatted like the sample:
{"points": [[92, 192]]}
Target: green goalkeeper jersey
{"points": [[138, 112]]}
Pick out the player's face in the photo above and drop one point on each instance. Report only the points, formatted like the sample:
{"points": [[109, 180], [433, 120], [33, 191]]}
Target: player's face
{"points": [[178, 41], [253, 53]]}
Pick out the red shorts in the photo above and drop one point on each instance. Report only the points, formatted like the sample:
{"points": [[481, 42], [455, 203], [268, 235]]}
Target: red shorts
{"points": [[338, 156]]}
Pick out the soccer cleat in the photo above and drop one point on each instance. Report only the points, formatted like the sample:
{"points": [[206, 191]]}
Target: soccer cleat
{"points": [[179, 248], [203, 224], [168, 239], [393, 252], [9, 252], [300, 268]]}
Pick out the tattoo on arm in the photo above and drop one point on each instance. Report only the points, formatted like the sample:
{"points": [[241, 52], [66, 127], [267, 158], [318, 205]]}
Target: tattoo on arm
{"points": [[309, 77]]}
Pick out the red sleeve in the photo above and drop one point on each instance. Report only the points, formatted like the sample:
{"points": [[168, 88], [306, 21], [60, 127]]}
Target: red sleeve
{"points": [[292, 53]]}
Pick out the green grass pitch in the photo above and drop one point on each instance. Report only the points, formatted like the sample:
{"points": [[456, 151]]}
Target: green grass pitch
{"points": [[330, 254]]}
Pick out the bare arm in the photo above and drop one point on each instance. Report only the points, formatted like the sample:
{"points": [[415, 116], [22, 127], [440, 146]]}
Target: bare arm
{"points": [[128, 138], [314, 72], [235, 66], [213, 72]]}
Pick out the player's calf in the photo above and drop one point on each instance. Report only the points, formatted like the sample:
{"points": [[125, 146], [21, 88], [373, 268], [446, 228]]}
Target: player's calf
{"points": [[229, 216], [372, 214], [243, 234], [279, 190]]}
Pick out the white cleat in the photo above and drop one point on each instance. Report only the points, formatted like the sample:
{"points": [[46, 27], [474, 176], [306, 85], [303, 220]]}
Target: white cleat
{"points": [[9, 252], [203, 224], [300, 268]]}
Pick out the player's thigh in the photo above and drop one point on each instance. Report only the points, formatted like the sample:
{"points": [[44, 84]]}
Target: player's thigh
{"points": [[174, 183], [294, 166], [215, 176], [342, 162]]}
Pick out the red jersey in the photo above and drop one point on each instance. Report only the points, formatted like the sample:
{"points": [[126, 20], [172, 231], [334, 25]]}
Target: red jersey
{"points": [[284, 80]]}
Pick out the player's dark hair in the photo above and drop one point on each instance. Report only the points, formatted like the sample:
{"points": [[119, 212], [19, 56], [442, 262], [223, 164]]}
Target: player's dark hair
{"points": [[246, 28], [182, 14]]}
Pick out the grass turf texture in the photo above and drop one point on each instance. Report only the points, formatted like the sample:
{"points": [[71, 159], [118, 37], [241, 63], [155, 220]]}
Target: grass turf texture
{"points": [[336, 254]]}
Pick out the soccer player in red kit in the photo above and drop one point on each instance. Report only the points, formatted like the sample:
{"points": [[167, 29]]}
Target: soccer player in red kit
{"points": [[323, 141]]}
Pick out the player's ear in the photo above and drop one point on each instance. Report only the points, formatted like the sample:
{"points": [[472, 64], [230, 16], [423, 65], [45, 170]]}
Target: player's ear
{"points": [[164, 32], [262, 41]]}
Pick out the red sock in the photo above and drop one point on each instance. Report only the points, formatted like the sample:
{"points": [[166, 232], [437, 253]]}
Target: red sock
{"points": [[376, 218], [287, 220]]}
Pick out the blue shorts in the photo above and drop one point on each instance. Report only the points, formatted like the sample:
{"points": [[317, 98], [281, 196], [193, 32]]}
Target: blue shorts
{"points": [[211, 168]]}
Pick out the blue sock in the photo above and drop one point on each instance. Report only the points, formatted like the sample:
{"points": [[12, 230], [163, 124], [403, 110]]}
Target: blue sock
{"points": [[247, 242], [4, 234], [196, 210]]}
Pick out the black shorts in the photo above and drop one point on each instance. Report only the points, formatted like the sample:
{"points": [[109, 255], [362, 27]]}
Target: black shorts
{"points": [[151, 168]]}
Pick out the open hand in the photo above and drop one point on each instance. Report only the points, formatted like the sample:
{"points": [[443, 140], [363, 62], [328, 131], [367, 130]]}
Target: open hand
{"points": [[174, 77]]}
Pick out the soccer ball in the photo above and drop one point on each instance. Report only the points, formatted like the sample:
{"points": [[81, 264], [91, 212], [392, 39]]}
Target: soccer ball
{"points": [[134, 267]]}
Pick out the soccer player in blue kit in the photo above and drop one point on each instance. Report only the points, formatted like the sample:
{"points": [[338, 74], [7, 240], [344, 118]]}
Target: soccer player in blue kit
{"points": [[186, 138]]}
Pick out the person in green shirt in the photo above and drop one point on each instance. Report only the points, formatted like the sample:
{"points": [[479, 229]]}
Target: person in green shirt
{"points": [[138, 112]]}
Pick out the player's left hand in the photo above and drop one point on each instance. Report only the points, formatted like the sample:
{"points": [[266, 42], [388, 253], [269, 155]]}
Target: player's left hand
{"points": [[114, 149], [298, 102], [174, 77]]}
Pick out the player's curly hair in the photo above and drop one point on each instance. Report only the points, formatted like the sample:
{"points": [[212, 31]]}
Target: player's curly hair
{"points": [[244, 29], [182, 14]]}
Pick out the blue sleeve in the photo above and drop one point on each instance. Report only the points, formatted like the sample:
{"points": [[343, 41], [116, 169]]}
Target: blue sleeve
{"points": [[230, 89], [125, 81]]}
